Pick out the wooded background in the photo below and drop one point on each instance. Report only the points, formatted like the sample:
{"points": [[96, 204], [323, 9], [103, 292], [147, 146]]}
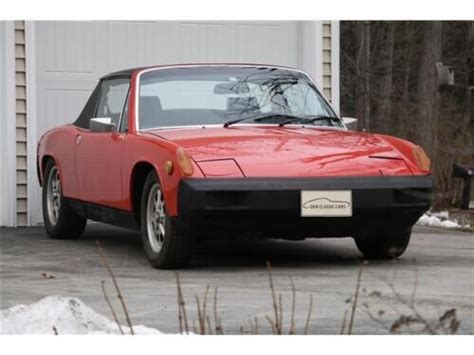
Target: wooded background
{"points": [[389, 82]]}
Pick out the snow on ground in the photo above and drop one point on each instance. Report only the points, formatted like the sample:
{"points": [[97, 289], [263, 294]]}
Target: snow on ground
{"points": [[69, 315], [440, 220]]}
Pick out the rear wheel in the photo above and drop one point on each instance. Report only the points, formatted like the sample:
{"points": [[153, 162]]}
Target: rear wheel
{"points": [[167, 244], [60, 220], [383, 245]]}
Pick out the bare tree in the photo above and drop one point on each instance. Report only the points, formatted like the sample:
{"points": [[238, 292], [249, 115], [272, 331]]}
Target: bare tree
{"points": [[382, 109], [427, 93]]}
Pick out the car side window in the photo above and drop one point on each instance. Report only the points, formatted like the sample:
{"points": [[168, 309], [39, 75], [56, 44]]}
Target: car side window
{"points": [[112, 99]]}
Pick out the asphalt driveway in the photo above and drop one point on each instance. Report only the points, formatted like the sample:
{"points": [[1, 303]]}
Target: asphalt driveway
{"points": [[439, 265]]}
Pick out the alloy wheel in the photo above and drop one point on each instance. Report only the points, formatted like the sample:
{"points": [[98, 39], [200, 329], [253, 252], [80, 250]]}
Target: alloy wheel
{"points": [[155, 218], [54, 195]]}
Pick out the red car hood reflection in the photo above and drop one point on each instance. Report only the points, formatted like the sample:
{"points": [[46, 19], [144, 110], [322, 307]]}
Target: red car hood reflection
{"points": [[290, 152]]}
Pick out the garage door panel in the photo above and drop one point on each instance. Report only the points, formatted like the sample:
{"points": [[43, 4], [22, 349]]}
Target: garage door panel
{"points": [[60, 102], [267, 43], [73, 55], [69, 47], [129, 45], [62, 107], [203, 42], [67, 81]]}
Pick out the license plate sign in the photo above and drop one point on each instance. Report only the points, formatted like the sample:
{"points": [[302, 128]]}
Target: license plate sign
{"points": [[332, 203]]}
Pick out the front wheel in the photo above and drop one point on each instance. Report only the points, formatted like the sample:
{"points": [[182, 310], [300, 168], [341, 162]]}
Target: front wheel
{"points": [[383, 245], [167, 244]]}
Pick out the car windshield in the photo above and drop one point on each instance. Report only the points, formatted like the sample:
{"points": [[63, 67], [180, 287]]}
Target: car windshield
{"points": [[210, 95]]}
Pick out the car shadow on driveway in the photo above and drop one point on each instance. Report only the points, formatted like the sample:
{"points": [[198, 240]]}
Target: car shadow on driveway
{"points": [[245, 253]]}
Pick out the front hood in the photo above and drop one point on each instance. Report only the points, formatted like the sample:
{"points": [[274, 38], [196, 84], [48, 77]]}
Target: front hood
{"points": [[288, 151]]}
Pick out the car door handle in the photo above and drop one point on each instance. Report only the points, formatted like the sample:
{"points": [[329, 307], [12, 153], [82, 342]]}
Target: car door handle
{"points": [[78, 139], [117, 136]]}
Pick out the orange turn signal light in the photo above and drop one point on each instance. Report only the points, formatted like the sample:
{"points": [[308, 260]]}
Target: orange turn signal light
{"points": [[184, 161], [422, 160], [169, 167]]}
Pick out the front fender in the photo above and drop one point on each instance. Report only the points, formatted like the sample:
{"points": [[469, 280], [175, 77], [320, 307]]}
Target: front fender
{"points": [[143, 148], [406, 149]]}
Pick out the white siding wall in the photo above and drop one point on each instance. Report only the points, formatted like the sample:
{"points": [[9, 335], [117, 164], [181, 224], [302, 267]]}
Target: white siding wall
{"points": [[21, 124], [326, 83], [65, 59]]}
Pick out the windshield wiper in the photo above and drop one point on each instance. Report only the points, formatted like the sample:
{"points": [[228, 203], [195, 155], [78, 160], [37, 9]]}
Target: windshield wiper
{"points": [[259, 118], [309, 119]]}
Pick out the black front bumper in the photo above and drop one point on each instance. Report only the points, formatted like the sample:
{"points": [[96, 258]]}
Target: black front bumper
{"points": [[270, 207]]}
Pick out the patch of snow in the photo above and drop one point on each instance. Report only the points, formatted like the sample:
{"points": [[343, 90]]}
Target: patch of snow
{"points": [[443, 215], [69, 315], [439, 220], [433, 221]]}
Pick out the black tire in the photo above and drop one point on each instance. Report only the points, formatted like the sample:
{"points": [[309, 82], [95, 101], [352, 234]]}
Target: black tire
{"points": [[175, 248], [68, 225], [383, 245]]}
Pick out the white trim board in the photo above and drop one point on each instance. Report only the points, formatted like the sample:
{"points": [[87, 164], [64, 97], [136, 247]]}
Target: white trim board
{"points": [[319, 53], [310, 48], [335, 47], [33, 191], [8, 126]]}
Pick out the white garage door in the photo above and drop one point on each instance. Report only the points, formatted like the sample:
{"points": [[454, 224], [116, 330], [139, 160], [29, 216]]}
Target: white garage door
{"points": [[71, 56]]}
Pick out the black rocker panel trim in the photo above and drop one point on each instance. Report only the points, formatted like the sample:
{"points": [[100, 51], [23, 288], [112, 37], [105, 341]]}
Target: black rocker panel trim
{"points": [[104, 214]]}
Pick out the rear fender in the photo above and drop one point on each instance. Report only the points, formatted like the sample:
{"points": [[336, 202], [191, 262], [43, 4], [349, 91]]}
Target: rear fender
{"points": [[58, 144]]}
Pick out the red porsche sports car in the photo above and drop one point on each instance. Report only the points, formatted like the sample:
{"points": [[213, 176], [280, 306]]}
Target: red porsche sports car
{"points": [[190, 152]]}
